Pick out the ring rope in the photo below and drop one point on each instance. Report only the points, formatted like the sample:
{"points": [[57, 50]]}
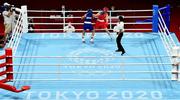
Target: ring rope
{"points": [[169, 42], [143, 56], [113, 64], [94, 79], [173, 43], [95, 29], [94, 72], [54, 17], [128, 23], [163, 40], [148, 10], [167, 48], [2, 73], [15, 33], [2, 65]]}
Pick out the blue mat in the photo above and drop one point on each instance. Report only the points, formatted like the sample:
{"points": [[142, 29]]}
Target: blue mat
{"points": [[135, 44]]}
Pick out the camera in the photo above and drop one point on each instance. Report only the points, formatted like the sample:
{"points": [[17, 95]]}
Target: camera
{"points": [[5, 7], [8, 7], [12, 8]]}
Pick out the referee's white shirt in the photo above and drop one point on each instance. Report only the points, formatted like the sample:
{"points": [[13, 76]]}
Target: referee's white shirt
{"points": [[119, 26]]}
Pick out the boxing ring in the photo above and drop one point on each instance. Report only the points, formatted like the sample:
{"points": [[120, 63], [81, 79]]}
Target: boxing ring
{"points": [[57, 61]]}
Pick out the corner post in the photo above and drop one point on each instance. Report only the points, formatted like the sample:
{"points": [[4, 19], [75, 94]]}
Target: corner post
{"points": [[9, 66], [155, 18], [167, 15], [25, 19]]}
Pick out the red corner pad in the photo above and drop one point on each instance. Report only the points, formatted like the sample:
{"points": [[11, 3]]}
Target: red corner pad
{"points": [[12, 88]]}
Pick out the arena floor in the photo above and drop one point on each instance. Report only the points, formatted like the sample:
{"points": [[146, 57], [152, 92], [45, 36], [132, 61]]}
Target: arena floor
{"points": [[66, 45]]}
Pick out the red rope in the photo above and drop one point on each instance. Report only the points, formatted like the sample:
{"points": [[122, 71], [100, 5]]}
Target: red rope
{"points": [[2, 65], [2, 57], [3, 81], [2, 73]]}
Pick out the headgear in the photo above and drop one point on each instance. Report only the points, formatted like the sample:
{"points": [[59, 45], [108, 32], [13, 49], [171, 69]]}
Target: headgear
{"points": [[121, 18], [89, 11], [105, 9]]}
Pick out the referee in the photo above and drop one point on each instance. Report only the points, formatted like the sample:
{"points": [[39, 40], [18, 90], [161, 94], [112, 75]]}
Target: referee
{"points": [[120, 29]]}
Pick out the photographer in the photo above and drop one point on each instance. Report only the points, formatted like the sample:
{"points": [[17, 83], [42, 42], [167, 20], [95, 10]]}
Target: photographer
{"points": [[9, 21], [69, 28], [30, 26]]}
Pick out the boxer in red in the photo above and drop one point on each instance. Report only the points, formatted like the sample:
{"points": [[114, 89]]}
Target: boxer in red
{"points": [[102, 20]]}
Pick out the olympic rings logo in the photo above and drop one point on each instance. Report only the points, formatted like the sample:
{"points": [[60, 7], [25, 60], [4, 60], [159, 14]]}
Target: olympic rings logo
{"points": [[91, 52]]}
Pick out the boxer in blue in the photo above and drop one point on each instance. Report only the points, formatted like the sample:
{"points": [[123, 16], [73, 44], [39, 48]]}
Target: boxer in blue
{"points": [[88, 18]]}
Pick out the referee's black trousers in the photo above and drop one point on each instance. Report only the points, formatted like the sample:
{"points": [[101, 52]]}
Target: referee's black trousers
{"points": [[118, 41]]}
